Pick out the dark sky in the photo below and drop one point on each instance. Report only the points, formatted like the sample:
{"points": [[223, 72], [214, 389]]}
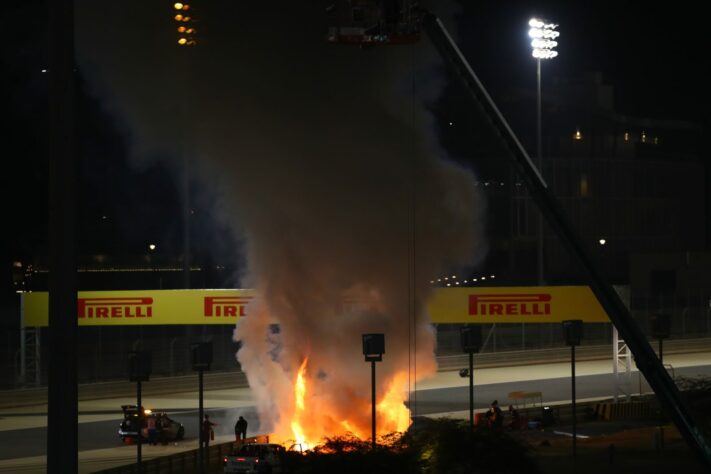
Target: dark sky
{"points": [[654, 55]]}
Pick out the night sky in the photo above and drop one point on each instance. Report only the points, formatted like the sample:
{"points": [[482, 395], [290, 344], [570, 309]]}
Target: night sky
{"points": [[654, 55]]}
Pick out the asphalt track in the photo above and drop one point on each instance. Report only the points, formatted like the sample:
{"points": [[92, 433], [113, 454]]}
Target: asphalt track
{"points": [[27, 442]]}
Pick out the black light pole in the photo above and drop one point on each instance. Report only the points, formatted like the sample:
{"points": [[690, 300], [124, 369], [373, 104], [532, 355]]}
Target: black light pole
{"points": [[373, 350], [139, 370], [573, 331], [201, 360], [471, 344], [661, 329], [62, 435]]}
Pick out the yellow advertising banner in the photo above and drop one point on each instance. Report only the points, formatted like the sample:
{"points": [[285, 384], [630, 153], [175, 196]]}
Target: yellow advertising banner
{"points": [[538, 304], [518, 304], [140, 307]]}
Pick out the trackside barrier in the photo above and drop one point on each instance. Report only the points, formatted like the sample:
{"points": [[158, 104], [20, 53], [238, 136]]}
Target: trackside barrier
{"points": [[625, 411], [185, 461]]}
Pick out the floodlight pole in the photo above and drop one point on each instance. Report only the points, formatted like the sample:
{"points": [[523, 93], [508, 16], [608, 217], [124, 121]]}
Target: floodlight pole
{"points": [[539, 153]]}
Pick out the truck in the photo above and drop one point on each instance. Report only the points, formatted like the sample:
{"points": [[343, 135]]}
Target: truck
{"points": [[253, 458]]}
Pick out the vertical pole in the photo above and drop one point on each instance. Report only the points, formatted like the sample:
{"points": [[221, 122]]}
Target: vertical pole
{"points": [[140, 427], [471, 393], [661, 418], [539, 153], [23, 354], [201, 452], [575, 431], [62, 406], [372, 378]]}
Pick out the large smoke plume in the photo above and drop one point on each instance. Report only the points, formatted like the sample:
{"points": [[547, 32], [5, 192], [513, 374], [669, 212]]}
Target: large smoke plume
{"points": [[326, 166]]}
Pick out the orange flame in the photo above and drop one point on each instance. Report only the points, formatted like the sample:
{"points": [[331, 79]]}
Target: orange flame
{"points": [[299, 394], [396, 417]]}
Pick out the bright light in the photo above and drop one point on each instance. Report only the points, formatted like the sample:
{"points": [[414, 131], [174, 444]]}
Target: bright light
{"points": [[147, 411], [182, 41], [602, 241], [544, 35], [44, 70], [178, 17], [578, 135], [178, 6], [152, 246], [181, 29]]}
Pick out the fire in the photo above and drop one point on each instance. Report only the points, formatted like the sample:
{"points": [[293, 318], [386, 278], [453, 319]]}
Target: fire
{"points": [[314, 416], [396, 417], [299, 393]]}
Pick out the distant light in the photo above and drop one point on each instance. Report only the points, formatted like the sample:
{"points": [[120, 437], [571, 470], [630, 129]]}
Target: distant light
{"points": [[483, 278], [152, 246], [501, 184], [602, 241], [457, 283], [439, 279], [656, 140], [103, 218], [44, 70], [465, 281], [644, 136], [182, 41], [492, 276], [451, 123], [474, 279], [627, 136], [446, 278], [178, 6], [147, 411], [578, 135], [449, 284], [178, 17], [454, 276], [486, 183], [432, 281], [181, 29]]}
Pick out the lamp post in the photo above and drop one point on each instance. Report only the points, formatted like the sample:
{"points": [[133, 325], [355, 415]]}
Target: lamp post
{"points": [[201, 359], [139, 370], [471, 344], [573, 332], [373, 350], [661, 329], [543, 35]]}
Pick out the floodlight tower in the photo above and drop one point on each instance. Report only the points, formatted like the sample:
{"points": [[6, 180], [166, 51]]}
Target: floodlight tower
{"points": [[543, 41]]}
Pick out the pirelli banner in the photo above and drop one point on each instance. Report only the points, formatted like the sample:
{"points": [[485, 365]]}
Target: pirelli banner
{"points": [[538, 304]]}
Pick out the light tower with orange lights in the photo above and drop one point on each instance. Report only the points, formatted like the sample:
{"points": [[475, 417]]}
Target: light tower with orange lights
{"points": [[186, 31]]}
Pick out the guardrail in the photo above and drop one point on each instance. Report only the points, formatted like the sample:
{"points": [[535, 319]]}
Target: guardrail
{"points": [[236, 379], [183, 462]]}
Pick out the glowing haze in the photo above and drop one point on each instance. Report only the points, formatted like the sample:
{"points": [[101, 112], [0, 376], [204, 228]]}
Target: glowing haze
{"points": [[344, 203]]}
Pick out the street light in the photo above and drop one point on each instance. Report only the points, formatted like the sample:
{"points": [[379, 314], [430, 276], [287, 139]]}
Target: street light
{"points": [[471, 344], [543, 41], [373, 350], [201, 359]]}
